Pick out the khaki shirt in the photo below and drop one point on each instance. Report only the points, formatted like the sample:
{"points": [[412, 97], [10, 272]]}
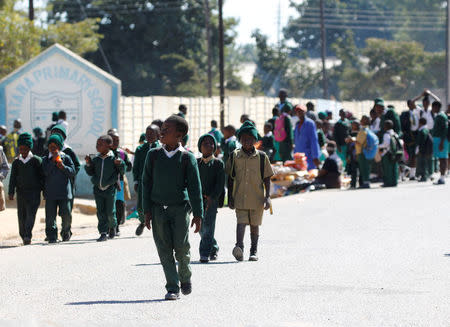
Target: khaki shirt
{"points": [[361, 140], [249, 187]]}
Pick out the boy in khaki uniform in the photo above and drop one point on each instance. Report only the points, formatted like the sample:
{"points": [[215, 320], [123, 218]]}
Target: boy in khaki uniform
{"points": [[249, 174]]}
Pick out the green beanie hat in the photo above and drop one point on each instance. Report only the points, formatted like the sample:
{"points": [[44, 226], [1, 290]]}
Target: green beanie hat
{"points": [[61, 129], [25, 139], [142, 137], [379, 101], [247, 128], [200, 140], [323, 115], [57, 139]]}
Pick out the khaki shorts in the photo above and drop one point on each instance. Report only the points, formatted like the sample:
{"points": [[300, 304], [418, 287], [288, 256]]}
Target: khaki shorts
{"points": [[251, 217]]}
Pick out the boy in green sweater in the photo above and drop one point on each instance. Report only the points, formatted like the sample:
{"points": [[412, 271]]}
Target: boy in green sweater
{"points": [[229, 143], [212, 176], [27, 181], [152, 142], [249, 174], [105, 169], [424, 151], [171, 188]]}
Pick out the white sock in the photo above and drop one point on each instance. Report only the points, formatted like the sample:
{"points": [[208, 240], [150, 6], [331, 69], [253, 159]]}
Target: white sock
{"points": [[413, 172]]}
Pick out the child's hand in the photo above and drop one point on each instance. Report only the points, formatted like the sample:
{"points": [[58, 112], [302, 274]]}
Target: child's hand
{"points": [[197, 221], [88, 160], [148, 220], [267, 203], [117, 162], [11, 197], [128, 151]]}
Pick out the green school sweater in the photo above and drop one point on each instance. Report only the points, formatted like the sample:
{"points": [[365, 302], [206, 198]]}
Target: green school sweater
{"points": [[26, 177], [440, 125], [422, 136], [212, 177], [166, 182], [228, 148], [139, 159], [103, 171]]}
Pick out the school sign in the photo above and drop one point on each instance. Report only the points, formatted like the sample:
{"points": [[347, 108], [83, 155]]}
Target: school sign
{"points": [[59, 79]]}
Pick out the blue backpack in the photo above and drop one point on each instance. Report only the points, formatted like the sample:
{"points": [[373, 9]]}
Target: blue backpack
{"points": [[372, 145]]}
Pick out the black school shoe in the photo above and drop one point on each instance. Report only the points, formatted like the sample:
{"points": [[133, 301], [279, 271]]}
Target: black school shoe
{"points": [[213, 256], [140, 229], [171, 296], [52, 241], [117, 231], [67, 237], [112, 233], [26, 241], [186, 288], [102, 238]]}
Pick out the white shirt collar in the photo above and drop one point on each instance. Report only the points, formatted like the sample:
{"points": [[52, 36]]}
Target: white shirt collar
{"points": [[232, 138], [170, 154], [422, 127], [29, 156], [109, 154], [268, 134]]}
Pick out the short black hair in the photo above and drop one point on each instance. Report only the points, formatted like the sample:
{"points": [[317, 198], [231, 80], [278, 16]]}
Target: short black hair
{"points": [[422, 121], [181, 125], [153, 126], [283, 91], [437, 104], [158, 122], [275, 111], [214, 123], [269, 124], [182, 108], [62, 115], [389, 124], [230, 128], [310, 106], [107, 139], [245, 117], [113, 132]]}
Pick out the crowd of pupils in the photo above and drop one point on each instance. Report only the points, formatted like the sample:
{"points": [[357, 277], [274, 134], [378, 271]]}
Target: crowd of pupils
{"points": [[171, 183]]}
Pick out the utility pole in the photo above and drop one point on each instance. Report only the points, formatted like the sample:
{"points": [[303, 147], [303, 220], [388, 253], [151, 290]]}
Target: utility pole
{"points": [[279, 25], [30, 9], [208, 40], [221, 67], [323, 38], [447, 54]]}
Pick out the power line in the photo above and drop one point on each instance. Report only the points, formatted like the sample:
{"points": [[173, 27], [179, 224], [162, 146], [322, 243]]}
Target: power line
{"points": [[372, 23], [316, 14], [372, 28], [374, 11]]}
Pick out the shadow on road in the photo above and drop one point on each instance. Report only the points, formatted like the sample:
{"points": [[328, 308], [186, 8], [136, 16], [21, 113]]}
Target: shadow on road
{"points": [[192, 263], [115, 302]]}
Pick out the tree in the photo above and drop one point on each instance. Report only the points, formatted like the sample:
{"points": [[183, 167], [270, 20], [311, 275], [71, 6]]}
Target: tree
{"points": [[141, 39]]}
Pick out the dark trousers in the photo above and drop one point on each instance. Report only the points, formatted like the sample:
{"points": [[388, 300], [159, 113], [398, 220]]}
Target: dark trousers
{"points": [[106, 209], [171, 235], [208, 244], [27, 206], [364, 169], [390, 171], [424, 166], [286, 150], [51, 209], [120, 212], [352, 170]]}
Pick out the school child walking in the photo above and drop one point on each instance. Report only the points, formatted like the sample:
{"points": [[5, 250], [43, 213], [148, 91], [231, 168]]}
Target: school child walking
{"points": [[26, 181], [389, 148], [171, 188], [123, 190], [424, 151], [440, 140], [152, 142], [212, 177], [249, 174], [4, 170], [104, 169], [268, 142], [59, 171]]}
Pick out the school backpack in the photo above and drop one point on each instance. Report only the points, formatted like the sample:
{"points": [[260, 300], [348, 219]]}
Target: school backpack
{"points": [[280, 131], [371, 145], [396, 148], [221, 199]]}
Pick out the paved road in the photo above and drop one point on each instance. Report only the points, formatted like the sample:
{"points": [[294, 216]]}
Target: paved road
{"points": [[375, 257]]}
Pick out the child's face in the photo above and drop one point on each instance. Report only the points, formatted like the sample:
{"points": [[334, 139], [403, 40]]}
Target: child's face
{"points": [[169, 134], [355, 127], [151, 135], [102, 147], [248, 142], [24, 150], [207, 147], [226, 133], [116, 141], [53, 148], [267, 129]]}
